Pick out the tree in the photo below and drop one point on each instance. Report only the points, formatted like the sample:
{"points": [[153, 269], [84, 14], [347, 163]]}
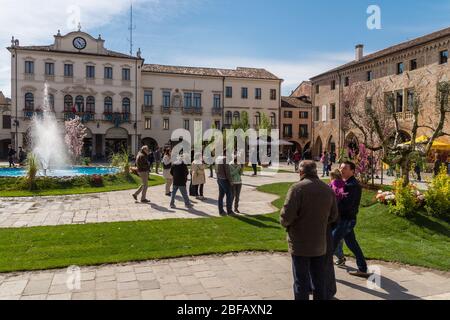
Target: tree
{"points": [[75, 134], [370, 109]]}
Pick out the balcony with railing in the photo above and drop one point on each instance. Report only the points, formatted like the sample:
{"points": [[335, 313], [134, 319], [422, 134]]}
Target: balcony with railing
{"points": [[166, 110], [216, 111], [117, 117], [405, 116], [192, 111], [84, 116], [147, 109], [28, 114]]}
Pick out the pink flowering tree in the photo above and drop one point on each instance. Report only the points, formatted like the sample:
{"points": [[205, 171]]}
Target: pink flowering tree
{"points": [[75, 134]]}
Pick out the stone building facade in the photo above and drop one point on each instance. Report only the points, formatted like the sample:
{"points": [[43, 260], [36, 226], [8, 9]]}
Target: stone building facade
{"points": [[296, 123], [400, 71], [5, 125], [126, 103]]}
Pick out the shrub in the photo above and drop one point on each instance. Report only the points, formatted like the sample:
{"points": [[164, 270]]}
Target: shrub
{"points": [[97, 181], [121, 160], [438, 196], [85, 161], [408, 199], [32, 170]]}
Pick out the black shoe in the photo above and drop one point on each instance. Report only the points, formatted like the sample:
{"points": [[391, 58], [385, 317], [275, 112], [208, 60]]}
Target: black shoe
{"points": [[223, 213], [134, 197], [340, 262], [231, 213], [145, 201], [359, 274], [169, 194], [237, 211]]}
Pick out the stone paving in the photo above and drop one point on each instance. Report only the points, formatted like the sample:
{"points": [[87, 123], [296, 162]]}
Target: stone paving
{"points": [[120, 206], [246, 276]]}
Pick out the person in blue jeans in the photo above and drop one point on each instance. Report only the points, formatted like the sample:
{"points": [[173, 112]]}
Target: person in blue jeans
{"points": [[348, 211], [224, 183]]}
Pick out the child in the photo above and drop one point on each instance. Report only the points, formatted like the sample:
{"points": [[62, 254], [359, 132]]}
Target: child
{"points": [[338, 184]]}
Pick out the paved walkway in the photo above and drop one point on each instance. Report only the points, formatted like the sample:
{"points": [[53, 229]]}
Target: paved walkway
{"points": [[120, 206], [244, 276]]}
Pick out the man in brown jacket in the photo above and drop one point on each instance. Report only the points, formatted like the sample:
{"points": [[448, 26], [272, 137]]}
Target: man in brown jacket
{"points": [[143, 169], [309, 208]]}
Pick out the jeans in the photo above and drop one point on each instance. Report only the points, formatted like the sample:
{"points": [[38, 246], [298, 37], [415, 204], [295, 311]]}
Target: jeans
{"points": [[236, 195], [345, 230], [307, 270], [326, 170], [184, 193], [225, 190]]}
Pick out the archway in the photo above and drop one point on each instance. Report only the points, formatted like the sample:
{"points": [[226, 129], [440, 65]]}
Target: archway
{"points": [[318, 148], [291, 149], [150, 143], [307, 153], [331, 145], [87, 144], [4, 148], [116, 140]]}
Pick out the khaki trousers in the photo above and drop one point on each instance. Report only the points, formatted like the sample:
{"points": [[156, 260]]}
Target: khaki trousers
{"points": [[143, 188]]}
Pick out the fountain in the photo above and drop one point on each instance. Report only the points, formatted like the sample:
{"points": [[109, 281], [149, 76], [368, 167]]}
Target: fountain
{"points": [[50, 149], [47, 138]]}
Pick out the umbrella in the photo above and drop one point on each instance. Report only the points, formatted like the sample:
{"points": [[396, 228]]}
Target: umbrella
{"points": [[438, 145]]}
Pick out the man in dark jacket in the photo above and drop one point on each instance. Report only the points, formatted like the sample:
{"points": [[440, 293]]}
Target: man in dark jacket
{"points": [[143, 171], [309, 208], [224, 182], [180, 172], [348, 211], [11, 154]]}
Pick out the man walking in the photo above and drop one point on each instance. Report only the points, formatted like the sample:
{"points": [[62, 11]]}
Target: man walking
{"points": [[143, 171], [306, 222], [348, 209], [180, 172], [224, 181], [11, 154]]}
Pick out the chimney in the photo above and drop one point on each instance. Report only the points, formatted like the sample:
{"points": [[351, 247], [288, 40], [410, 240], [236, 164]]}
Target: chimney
{"points": [[359, 52]]}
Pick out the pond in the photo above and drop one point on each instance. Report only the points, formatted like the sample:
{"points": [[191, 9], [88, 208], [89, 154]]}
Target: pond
{"points": [[64, 172]]}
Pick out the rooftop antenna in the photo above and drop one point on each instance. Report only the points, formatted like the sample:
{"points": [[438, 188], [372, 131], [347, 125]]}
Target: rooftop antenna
{"points": [[131, 28]]}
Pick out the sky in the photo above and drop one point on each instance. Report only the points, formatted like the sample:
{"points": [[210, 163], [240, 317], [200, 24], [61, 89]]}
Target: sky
{"points": [[294, 39]]}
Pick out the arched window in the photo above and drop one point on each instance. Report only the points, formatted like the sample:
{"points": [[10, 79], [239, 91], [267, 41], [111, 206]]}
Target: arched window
{"points": [[90, 104], [29, 101], [108, 105], [79, 102], [258, 119], [68, 103], [51, 102], [126, 105], [236, 116], [273, 120], [228, 118]]}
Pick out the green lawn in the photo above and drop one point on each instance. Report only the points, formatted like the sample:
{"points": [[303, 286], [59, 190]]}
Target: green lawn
{"points": [[116, 183], [423, 241]]}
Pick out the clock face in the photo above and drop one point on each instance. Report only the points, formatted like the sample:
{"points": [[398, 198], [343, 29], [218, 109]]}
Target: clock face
{"points": [[79, 43]]}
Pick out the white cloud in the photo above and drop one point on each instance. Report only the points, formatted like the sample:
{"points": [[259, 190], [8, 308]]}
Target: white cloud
{"points": [[34, 22]]}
